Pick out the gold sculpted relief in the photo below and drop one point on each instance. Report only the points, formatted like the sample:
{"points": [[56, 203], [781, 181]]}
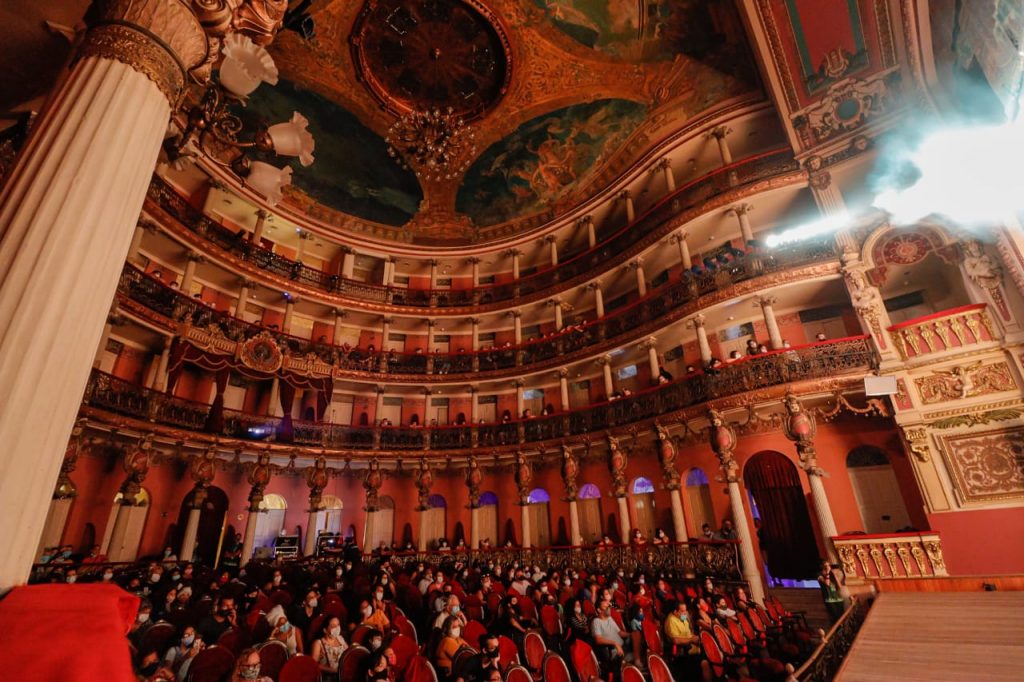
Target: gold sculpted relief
{"points": [[987, 466], [960, 382]]}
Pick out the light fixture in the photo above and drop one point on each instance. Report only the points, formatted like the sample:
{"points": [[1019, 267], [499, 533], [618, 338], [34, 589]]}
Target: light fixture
{"points": [[434, 144], [268, 180]]}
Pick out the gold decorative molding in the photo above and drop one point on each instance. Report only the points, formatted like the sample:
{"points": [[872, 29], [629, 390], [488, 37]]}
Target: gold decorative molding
{"points": [[986, 467]]}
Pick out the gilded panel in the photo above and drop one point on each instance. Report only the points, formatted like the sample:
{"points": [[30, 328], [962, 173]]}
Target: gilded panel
{"points": [[987, 467]]}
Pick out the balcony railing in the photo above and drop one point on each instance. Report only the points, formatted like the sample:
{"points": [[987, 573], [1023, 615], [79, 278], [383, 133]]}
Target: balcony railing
{"points": [[894, 555], [613, 245], [947, 330], [813, 361], [661, 305], [828, 657]]}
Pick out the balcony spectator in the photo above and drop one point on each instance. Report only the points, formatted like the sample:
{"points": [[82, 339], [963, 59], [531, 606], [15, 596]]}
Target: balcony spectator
{"points": [[829, 584], [820, 336], [734, 356], [706, 533], [660, 538], [727, 531], [752, 347]]}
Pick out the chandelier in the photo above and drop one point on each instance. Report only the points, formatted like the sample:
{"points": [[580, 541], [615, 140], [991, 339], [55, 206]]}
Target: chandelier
{"points": [[434, 144]]}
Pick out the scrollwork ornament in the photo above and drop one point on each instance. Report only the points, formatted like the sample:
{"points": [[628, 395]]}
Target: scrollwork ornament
{"points": [[259, 476], [917, 443], [570, 471], [617, 462], [667, 456], [723, 441], [524, 477], [424, 482], [316, 480], [474, 477], [372, 481]]}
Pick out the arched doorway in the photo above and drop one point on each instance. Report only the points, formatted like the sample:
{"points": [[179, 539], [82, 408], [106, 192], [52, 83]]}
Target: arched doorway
{"points": [[487, 517], [589, 507], [698, 494], [538, 513], [380, 524], [879, 499], [329, 518], [434, 520], [643, 506], [211, 525], [786, 536], [269, 523], [128, 548]]}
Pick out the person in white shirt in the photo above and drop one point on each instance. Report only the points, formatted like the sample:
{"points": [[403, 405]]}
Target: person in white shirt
{"points": [[425, 581]]}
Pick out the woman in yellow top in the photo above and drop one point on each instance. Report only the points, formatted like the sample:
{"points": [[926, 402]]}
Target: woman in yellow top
{"points": [[451, 642]]}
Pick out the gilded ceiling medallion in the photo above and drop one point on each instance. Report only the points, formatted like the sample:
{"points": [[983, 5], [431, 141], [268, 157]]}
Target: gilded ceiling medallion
{"points": [[431, 55]]}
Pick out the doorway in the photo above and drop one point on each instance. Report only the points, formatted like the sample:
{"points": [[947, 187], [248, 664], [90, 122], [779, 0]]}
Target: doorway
{"points": [[698, 494], [589, 506], [540, 521], [643, 506], [212, 516], [487, 517], [877, 491]]}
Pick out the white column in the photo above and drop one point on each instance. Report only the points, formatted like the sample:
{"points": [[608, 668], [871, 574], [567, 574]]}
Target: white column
{"points": [[678, 518], [598, 298], [679, 238], [576, 537], [243, 297], [257, 230], [553, 248], [670, 177], [627, 196], [588, 222], [748, 560], [517, 326], [430, 335], [190, 272], [697, 322], [524, 518], [520, 404], [556, 304], [720, 134], [475, 332], [475, 270], [742, 213], [309, 541], [515, 253], [774, 335], [474, 406], [67, 213], [389, 271], [289, 312], [474, 528], [606, 367], [823, 510], [624, 525], [563, 388], [160, 380], [249, 538], [348, 263], [300, 252], [641, 279], [651, 346], [56, 519], [116, 550], [433, 273], [339, 316], [188, 542], [274, 408]]}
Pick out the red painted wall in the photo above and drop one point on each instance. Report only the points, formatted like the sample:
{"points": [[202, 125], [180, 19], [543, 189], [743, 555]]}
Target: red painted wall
{"points": [[982, 542]]}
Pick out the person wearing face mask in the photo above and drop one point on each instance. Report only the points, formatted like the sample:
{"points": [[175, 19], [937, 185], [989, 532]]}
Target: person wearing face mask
{"points": [[162, 607], [722, 610], [283, 631], [143, 622], [108, 576], [450, 643], [579, 623], [328, 648], [609, 641], [301, 615], [223, 618], [385, 586], [511, 619], [374, 640], [452, 608], [95, 556], [71, 577], [376, 668], [179, 657], [426, 582], [247, 667], [660, 538], [481, 665], [371, 617]]}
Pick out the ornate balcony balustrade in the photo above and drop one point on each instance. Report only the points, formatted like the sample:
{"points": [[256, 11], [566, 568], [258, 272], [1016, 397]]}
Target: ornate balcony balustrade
{"points": [[813, 361], [613, 246], [826, 660], [947, 330], [895, 555], [211, 328]]}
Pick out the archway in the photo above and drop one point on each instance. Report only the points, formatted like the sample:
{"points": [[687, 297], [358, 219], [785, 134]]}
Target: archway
{"points": [[434, 519], [643, 506], [380, 524], [269, 523], [881, 504], [329, 518], [787, 538], [540, 524], [589, 507], [128, 547], [698, 493], [487, 517], [211, 525]]}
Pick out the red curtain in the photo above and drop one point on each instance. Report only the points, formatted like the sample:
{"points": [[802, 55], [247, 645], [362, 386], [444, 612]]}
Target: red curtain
{"points": [[215, 419], [286, 432], [323, 399]]}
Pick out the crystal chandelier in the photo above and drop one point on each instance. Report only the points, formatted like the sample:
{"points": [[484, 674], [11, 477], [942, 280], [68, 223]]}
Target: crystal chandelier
{"points": [[434, 144]]}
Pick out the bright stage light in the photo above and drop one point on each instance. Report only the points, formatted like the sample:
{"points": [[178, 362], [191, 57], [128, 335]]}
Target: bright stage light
{"points": [[825, 225]]}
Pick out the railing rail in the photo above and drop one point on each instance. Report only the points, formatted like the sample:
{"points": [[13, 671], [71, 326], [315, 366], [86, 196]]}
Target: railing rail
{"points": [[613, 242], [945, 330], [817, 360], [828, 657], [890, 555]]}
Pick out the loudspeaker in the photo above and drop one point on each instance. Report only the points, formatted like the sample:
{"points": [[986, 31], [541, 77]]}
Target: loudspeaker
{"points": [[880, 386]]}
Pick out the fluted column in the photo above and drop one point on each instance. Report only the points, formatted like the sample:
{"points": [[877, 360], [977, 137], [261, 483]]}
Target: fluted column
{"points": [[719, 134], [587, 222], [249, 536], [627, 197], [190, 272], [697, 323], [475, 269], [801, 427], [595, 286], [389, 271], [742, 213], [770, 323], [188, 542], [515, 254], [68, 209], [651, 346], [679, 238], [309, 539], [637, 265], [606, 368], [289, 313], [339, 317], [474, 331], [379, 404], [243, 296], [563, 388], [474, 405], [670, 178], [257, 230], [552, 243], [133, 248], [723, 442], [160, 380]]}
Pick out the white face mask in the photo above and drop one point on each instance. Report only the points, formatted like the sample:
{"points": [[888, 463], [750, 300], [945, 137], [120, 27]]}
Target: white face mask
{"points": [[456, 632], [335, 631], [368, 612], [380, 596], [142, 617], [154, 577], [187, 640], [71, 579], [108, 576], [312, 603], [277, 580]]}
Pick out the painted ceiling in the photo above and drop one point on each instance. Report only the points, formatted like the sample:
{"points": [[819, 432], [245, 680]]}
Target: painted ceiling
{"points": [[571, 92]]}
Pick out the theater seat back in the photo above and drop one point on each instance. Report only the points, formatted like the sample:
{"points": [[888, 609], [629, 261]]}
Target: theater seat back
{"points": [[212, 664], [300, 668]]}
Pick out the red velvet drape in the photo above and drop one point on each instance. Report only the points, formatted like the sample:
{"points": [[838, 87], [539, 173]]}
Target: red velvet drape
{"points": [[786, 535], [286, 432], [215, 418]]}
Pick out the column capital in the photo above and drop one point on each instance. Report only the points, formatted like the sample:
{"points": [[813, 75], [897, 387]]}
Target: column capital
{"points": [[387, 320], [514, 253], [719, 132], [339, 313], [625, 194], [696, 322], [245, 282], [549, 238], [519, 383], [765, 301], [379, 389], [164, 41], [591, 286], [289, 299], [195, 256], [563, 372], [473, 320], [431, 323], [262, 214], [515, 313], [677, 237], [604, 360], [584, 220], [649, 343], [347, 250], [434, 262], [473, 260], [390, 259], [661, 164], [636, 263], [473, 390], [739, 209]]}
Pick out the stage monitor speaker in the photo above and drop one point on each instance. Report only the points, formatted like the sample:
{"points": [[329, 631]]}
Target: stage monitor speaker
{"points": [[880, 386]]}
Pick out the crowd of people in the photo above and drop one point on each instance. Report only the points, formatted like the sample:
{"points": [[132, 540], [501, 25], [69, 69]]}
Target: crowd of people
{"points": [[462, 617]]}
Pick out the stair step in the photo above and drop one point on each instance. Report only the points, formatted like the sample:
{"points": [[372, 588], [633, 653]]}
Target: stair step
{"points": [[807, 600]]}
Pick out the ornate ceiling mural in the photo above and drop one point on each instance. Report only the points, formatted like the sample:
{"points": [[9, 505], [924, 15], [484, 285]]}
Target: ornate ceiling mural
{"points": [[556, 116], [353, 172], [539, 164]]}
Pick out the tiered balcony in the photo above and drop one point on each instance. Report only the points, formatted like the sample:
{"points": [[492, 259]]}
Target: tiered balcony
{"points": [[946, 331], [892, 555], [828, 359], [614, 247], [155, 301]]}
